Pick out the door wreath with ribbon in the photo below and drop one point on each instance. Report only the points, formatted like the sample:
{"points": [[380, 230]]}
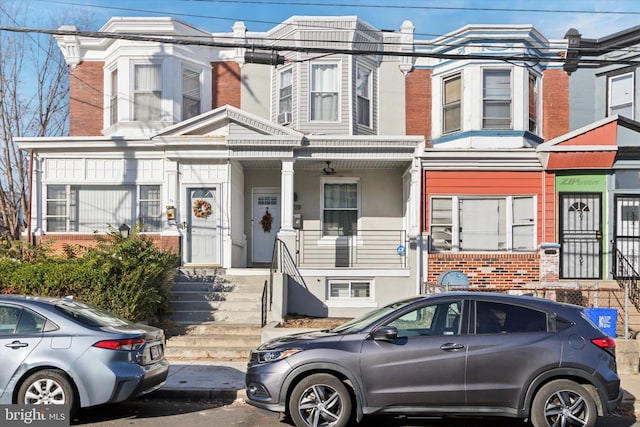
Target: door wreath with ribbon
{"points": [[266, 221], [201, 208]]}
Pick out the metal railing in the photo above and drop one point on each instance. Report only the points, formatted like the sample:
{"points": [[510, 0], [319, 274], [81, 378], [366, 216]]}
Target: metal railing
{"points": [[626, 275], [361, 249]]}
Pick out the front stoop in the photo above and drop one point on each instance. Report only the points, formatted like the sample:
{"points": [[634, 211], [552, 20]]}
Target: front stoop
{"points": [[214, 316]]}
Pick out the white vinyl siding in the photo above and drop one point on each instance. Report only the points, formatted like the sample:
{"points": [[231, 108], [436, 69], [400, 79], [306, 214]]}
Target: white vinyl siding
{"points": [[496, 99], [621, 95], [147, 94], [503, 223]]}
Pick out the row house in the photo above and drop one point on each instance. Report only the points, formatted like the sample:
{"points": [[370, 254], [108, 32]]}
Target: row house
{"points": [[229, 155]]}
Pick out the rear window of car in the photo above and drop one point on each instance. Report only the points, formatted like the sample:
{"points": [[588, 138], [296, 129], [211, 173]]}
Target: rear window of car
{"points": [[90, 315]]}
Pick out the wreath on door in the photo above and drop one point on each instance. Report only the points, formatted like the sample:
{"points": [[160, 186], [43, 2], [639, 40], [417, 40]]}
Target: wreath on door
{"points": [[201, 208], [266, 221]]}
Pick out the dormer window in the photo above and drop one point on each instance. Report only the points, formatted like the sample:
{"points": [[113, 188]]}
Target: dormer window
{"points": [[621, 95], [363, 95], [452, 104], [285, 96], [324, 96], [147, 94], [190, 94], [496, 99]]}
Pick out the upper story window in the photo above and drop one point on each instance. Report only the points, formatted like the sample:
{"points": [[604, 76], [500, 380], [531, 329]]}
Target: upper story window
{"points": [[496, 99], [190, 94], [621, 95], [504, 223], [340, 207], [533, 103], [363, 95], [113, 99], [147, 92], [285, 96], [452, 104], [324, 96]]}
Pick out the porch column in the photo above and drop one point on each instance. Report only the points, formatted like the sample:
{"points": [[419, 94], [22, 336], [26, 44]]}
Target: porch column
{"points": [[286, 188]]}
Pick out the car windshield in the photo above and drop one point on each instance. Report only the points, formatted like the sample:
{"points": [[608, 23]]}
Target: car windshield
{"points": [[90, 315], [361, 322]]}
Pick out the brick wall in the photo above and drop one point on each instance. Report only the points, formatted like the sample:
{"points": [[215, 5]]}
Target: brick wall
{"points": [[555, 103], [58, 242], [488, 270], [418, 103], [86, 99], [226, 80]]}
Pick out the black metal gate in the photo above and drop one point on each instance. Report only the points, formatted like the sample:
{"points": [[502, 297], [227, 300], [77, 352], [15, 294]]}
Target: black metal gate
{"points": [[627, 230], [581, 235]]}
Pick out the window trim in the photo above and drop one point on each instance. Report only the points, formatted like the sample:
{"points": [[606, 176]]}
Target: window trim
{"points": [[631, 104], [368, 99], [279, 88], [497, 100], [446, 106], [350, 301], [342, 180], [338, 91], [113, 96], [189, 97], [134, 92], [536, 105], [455, 226]]}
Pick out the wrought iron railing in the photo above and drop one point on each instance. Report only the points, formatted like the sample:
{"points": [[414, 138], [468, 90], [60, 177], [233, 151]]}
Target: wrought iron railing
{"points": [[360, 249], [626, 275]]}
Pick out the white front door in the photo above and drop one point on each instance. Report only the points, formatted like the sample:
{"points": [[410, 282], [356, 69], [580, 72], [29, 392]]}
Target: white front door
{"points": [[202, 228], [266, 223]]}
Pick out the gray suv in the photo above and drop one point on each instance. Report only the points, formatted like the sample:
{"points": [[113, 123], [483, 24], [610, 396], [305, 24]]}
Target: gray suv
{"points": [[452, 354]]}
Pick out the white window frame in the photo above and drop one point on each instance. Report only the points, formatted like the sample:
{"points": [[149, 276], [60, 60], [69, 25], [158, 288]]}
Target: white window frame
{"points": [[496, 100], [336, 89], [113, 96], [351, 301], [155, 91], [72, 223], [451, 105], [446, 230], [629, 103], [194, 97], [325, 181], [533, 123], [283, 111], [365, 96]]}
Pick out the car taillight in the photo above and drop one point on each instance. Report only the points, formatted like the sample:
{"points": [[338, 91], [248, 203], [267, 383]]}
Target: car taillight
{"points": [[605, 343], [123, 344]]}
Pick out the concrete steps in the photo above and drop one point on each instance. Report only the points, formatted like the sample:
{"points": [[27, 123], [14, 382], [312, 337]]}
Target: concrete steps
{"points": [[214, 316]]}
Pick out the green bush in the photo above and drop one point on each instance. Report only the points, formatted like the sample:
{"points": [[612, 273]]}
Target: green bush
{"points": [[129, 277]]}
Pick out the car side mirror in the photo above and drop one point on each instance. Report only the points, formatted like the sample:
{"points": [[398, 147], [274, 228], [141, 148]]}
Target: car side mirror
{"points": [[385, 333]]}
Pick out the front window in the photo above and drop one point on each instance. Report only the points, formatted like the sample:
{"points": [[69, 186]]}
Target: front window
{"points": [[190, 94], [340, 208], [349, 290], [95, 208], [451, 104], [147, 92], [324, 92], [482, 223], [533, 103], [363, 95], [496, 99], [285, 96], [113, 101], [621, 95]]}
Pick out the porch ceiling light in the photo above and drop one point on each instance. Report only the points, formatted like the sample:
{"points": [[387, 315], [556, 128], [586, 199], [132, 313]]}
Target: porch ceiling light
{"points": [[328, 170]]}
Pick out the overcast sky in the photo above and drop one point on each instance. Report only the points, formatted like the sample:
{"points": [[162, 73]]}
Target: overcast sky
{"points": [[593, 18]]}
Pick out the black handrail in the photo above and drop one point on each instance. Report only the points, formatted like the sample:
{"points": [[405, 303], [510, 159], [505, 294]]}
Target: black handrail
{"points": [[626, 275]]}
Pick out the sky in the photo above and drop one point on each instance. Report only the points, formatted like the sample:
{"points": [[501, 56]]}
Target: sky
{"points": [[431, 18]]}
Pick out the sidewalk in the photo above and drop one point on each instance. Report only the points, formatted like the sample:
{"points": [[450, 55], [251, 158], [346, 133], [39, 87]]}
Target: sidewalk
{"points": [[225, 380]]}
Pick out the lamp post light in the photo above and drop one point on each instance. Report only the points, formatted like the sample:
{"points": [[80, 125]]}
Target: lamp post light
{"points": [[124, 230]]}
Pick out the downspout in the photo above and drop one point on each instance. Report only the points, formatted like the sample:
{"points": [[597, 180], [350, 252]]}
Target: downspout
{"points": [[29, 200]]}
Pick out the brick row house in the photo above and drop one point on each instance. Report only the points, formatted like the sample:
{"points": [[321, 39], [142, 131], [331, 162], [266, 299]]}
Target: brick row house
{"points": [[377, 172]]}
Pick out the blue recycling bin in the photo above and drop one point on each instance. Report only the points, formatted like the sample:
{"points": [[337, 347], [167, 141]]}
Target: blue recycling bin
{"points": [[604, 318]]}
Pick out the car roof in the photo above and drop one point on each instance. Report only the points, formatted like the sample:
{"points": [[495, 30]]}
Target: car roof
{"points": [[525, 299]]}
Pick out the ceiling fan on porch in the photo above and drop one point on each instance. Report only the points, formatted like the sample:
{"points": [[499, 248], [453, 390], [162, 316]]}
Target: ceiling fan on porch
{"points": [[328, 170]]}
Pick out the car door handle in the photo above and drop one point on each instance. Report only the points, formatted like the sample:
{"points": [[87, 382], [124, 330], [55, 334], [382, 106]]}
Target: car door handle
{"points": [[17, 344], [451, 346]]}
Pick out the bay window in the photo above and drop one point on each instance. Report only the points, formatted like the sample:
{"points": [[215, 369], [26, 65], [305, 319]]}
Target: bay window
{"points": [[496, 99], [113, 99], [533, 103], [190, 94], [363, 95], [452, 104], [340, 208], [323, 99], [285, 96], [492, 223], [147, 92]]}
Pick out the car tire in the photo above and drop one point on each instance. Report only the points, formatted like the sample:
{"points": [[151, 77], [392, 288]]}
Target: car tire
{"points": [[563, 402], [47, 387], [320, 400]]}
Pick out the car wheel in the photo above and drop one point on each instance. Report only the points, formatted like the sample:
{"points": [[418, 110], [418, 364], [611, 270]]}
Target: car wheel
{"points": [[46, 387], [563, 403], [320, 400]]}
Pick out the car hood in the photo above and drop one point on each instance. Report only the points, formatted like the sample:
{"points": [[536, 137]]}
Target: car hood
{"points": [[299, 338]]}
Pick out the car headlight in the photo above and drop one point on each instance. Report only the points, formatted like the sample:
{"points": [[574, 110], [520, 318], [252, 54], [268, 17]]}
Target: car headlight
{"points": [[266, 356]]}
